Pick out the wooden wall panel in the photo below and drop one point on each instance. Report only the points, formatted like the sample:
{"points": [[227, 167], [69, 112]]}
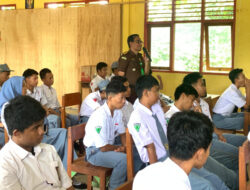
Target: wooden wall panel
{"points": [[60, 39]]}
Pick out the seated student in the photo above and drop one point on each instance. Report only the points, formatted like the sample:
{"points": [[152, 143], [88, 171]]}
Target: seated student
{"points": [[223, 116], [50, 96], [185, 96], [31, 81], [93, 101], [101, 69], [114, 68], [4, 74], [173, 173], [224, 147], [103, 126], [57, 137], [25, 162], [147, 126]]}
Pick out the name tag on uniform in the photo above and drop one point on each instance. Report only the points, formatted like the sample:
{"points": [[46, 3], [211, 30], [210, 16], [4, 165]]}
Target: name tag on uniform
{"points": [[134, 69]]}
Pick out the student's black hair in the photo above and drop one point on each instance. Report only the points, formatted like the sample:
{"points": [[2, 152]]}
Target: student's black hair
{"points": [[131, 38], [120, 78], [22, 112], [113, 70], [188, 131], [29, 72], [101, 65], [234, 74], [43, 72], [192, 78], [115, 87], [145, 82], [186, 89]]}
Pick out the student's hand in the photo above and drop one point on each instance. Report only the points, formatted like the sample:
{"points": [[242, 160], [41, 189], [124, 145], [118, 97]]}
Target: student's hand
{"points": [[222, 138], [121, 149], [71, 188], [197, 107], [108, 147]]}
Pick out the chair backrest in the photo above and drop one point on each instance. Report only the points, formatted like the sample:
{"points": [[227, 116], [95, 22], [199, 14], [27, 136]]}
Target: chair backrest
{"points": [[244, 158], [248, 92], [126, 186], [69, 100], [74, 133], [214, 101], [129, 151]]}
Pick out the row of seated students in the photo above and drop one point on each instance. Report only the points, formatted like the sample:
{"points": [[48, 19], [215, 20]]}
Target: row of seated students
{"points": [[148, 126]]}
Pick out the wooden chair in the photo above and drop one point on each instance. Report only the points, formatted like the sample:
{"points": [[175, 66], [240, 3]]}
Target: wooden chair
{"points": [[69, 100], [244, 158], [80, 165], [126, 186], [129, 151]]}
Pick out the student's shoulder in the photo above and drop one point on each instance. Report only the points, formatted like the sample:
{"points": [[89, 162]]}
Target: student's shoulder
{"points": [[47, 147]]}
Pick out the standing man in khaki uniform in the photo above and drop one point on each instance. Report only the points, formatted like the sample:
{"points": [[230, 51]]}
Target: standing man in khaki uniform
{"points": [[132, 65]]}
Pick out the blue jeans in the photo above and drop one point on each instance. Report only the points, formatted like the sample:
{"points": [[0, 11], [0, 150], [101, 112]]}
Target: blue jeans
{"points": [[233, 121], [110, 159], [71, 120], [1, 137], [84, 119], [54, 121], [229, 177]]}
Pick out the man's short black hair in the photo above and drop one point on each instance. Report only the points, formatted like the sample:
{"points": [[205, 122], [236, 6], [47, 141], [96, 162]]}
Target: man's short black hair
{"points": [[22, 112], [43, 72], [119, 78], [101, 65], [145, 82], [234, 74], [188, 131], [29, 72], [131, 38], [115, 87], [192, 78], [186, 89]]}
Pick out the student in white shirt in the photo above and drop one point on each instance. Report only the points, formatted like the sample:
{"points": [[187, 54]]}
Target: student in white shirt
{"points": [[147, 126], [114, 68], [223, 116], [25, 162], [31, 81], [101, 69], [103, 126], [173, 173], [185, 96], [93, 101], [50, 96]]}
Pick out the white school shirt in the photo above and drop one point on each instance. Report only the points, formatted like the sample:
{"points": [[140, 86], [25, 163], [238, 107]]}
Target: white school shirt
{"points": [[166, 175], [95, 81], [173, 109], [127, 109], [142, 126], [51, 96], [21, 170], [91, 103], [230, 98], [205, 108], [38, 95], [102, 128]]}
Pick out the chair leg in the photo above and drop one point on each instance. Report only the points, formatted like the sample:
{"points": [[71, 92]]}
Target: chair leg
{"points": [[102, 182], [89, 182]]}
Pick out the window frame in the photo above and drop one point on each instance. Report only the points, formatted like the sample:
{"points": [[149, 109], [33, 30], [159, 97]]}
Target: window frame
{"points": [[204, 24]]}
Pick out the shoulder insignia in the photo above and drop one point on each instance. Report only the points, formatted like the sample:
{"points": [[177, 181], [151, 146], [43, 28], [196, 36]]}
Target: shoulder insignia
{"points": [[98, 129], [137, 126]]}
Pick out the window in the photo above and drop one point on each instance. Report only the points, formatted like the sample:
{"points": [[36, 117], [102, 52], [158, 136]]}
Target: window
{"points": [[8, 7], [74, 3], [191, 35]]}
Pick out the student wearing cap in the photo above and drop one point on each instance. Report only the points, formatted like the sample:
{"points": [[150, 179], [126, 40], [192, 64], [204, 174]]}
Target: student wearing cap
{"points": [[50, 95], [103, 126], [185, 95], [93, 101], [4, 74], [148, 128], [223, 116], [31, 81], [173, 172], [114, 68], [101, 69], [132, 65]]}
